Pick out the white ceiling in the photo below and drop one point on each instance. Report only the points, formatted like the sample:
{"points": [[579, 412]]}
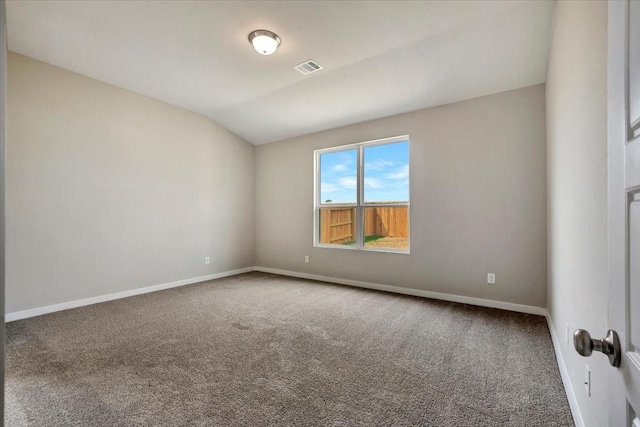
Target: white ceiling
{"points": [[380, 58]]}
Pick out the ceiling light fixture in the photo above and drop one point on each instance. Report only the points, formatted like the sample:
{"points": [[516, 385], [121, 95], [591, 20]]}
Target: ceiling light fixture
{"points": [[264, 42]]}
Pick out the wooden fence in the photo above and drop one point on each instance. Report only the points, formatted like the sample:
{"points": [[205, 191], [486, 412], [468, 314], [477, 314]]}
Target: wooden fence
{"points": [[337, 226], [386, 222]]}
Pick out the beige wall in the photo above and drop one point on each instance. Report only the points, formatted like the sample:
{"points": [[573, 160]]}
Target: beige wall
{"points": [[577, 191], [478, 201], [108, 190]]}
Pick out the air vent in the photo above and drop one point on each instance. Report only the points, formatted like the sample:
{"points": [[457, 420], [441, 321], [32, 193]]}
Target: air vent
{"points": [[308, 67]]}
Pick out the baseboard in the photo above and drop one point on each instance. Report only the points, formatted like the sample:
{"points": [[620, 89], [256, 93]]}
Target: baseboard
{"points": [[564, 373], [408, 291], [18, 315]]}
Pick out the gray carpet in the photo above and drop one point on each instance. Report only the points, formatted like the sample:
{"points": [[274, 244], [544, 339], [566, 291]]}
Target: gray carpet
{"points": [[259, 349]]}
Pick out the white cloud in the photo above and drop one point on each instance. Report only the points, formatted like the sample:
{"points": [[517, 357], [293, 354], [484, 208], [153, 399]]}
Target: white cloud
{"points": [[327, 187], [340, 167], [378, 165], [373, 183], [401, 173], [348, 182]]}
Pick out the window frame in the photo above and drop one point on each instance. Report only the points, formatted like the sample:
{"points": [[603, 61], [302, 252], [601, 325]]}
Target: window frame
{"points": [[360, 204]]}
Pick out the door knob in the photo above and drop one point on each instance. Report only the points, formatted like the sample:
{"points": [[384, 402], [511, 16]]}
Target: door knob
{"points": [[610, 345]]}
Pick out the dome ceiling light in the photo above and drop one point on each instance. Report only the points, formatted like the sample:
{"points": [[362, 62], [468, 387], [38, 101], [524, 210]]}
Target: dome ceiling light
{"points": [[264, 42]]}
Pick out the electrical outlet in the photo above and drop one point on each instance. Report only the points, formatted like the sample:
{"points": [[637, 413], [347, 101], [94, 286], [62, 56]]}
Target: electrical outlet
{"points": [[306, 259], [567, 335], [587, 380], [207, 260], [491, 278]]}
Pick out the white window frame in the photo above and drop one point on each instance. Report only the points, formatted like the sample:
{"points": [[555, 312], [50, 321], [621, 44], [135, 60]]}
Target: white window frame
{"points": [[360, 205]]}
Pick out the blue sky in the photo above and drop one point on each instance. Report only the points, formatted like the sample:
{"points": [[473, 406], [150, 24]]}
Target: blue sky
{"points": [[386, 173]]}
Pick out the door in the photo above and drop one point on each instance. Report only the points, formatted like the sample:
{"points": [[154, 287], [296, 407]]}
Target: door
{"points": [[624, 207]]}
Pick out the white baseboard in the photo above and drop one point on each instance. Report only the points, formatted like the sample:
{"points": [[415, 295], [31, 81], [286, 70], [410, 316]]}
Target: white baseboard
{"points": [[564, 373], [415, 292], [18, 315]]}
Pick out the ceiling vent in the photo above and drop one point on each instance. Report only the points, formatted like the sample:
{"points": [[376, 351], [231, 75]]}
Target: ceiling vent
{"points": [[308, 67]]}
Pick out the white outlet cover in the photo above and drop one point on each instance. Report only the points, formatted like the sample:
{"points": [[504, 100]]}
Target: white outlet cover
{"points": [[491, 278]]}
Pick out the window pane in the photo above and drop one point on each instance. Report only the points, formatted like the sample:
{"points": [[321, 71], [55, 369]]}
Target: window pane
{"points": [[338, 226], [386, 227], [386, 173], [339, 177]]}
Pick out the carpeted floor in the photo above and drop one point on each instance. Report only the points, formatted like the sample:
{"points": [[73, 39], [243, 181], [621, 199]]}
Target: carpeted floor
{"points": [[259, 349]]}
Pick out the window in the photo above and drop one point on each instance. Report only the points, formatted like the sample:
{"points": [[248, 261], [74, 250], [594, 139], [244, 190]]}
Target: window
{"points": [[362, 196]]}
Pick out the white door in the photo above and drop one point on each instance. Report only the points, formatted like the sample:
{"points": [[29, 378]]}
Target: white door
{"points": [[624, 208], [3, 127]]}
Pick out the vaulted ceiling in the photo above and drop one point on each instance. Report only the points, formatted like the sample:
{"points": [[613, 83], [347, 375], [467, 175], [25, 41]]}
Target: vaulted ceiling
{"points": [[380, 58]]}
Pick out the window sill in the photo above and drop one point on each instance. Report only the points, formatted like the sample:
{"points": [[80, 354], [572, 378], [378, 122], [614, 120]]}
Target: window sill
{"points": [[365, 249]]}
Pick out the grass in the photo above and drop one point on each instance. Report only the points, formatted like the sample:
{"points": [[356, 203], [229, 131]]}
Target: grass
{"points": [[367, 239]]}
